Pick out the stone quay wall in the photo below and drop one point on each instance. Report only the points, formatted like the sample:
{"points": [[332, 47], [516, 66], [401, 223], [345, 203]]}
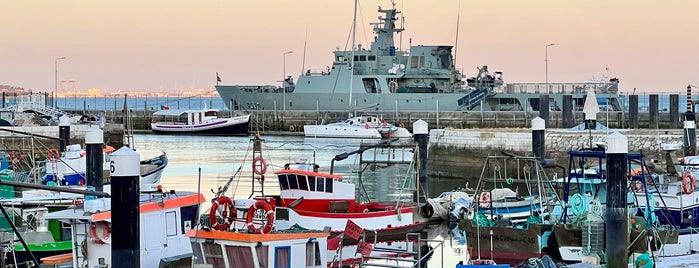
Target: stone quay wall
{"points": [[460, 153]]}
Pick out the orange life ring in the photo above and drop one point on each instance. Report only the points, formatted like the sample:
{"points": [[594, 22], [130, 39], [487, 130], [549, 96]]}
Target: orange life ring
{"points": [[484, 199], [688, 183], [259, 165], [637, 186], [228, 213], [266, 227], [53, 155], [105, 232], [291, 128]]}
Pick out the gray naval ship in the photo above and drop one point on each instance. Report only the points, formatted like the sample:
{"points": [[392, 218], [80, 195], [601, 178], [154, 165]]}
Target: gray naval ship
{"points": [[422, 79]]}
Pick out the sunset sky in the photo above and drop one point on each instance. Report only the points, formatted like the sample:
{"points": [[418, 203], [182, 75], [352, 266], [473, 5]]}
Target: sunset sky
{"points": [[136, 45]]}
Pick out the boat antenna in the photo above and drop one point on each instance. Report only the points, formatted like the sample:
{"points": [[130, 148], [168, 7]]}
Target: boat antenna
{"points": [[305, 41], [402, 26], [351, 67], [456, 42]]}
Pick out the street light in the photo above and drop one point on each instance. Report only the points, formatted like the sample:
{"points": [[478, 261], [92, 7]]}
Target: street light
{"points": [[548, 89], [284, 79], [55, 85]]}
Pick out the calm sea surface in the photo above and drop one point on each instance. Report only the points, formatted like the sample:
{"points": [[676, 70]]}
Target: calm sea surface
{"points": [[206, 163]]}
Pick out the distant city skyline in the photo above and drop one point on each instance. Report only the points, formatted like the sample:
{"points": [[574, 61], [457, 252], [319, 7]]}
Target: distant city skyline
{"points": [[152, 45]]}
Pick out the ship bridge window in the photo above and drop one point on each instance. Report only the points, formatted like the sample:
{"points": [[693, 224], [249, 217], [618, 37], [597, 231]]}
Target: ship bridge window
{"points": [[293, 183], [340, 58], [283, 182], [321, 184], [302, 183], [311, 183], [362, 58], [328, 185], [371, 58]]}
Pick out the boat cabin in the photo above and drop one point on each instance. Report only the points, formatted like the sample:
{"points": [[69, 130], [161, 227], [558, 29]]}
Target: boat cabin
{"points": [[314, 191], [185, 117], [236, 249]]}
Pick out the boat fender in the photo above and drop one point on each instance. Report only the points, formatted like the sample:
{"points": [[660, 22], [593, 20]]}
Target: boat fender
{"points": [[105, 232], [383, 122], [228, 213], [266, 227], [366, 126], [291, 128], [259, 165], [53, 155], [402, 125], [688, 183], [484, 199], [427, 210]]}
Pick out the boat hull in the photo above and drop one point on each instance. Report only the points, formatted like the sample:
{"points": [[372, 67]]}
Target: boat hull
{"points": [[223, 126]]}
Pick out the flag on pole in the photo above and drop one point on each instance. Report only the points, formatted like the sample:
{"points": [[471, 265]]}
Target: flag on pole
{"points": [[353, 230], [364, 248], [218, 78]]}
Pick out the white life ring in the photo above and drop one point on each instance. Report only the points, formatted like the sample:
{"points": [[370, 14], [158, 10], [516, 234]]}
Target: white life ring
{"points": [[104, 239], [228, 213], [266, 227], [484, 199], [688, 183], [259, 165]]}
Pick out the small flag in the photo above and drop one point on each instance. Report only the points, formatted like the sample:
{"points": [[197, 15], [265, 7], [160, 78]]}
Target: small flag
{"points": [[353, 230], [218, 78], [334, 243], [364, 248]]}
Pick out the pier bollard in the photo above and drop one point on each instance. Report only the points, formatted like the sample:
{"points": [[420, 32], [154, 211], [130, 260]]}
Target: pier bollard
{"points": [[538, 135], [689, 135], [616, 215], [126, 236], [94, 138], [653, 111], [633, 111], [544, 108], [567, 115], [422, 137], [63, 132]]}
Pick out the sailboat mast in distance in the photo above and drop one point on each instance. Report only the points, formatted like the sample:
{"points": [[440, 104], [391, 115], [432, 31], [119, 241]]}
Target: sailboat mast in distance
{"points": [[351, 67]]}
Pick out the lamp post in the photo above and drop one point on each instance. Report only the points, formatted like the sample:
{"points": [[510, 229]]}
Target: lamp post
{"points": [[55, 84], [284, 79], [547, 67]]}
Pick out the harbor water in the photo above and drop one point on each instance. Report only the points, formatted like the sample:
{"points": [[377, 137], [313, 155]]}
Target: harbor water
{"points": [[205, 163]]}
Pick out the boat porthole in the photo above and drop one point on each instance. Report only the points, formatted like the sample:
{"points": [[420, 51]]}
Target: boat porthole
{"points": [[364, 100], [420, 101]]}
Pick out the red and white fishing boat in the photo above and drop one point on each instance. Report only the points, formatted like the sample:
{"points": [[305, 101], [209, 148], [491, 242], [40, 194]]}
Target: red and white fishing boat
{"points": [[313, 200]]}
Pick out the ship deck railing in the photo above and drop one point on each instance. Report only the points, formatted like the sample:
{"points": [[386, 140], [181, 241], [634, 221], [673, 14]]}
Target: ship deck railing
{"points": [[559, 88]]}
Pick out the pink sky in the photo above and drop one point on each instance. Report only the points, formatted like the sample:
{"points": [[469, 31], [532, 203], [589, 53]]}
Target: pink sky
{"points": [[137, 45]]}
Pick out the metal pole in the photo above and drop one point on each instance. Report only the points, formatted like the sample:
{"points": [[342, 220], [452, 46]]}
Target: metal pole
{"points": [[55, 84], [546, 59]]}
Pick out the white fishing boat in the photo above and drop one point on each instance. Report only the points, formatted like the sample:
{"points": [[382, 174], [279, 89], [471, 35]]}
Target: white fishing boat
{"points": [[198, 122], [165, 217], [361, 127]]}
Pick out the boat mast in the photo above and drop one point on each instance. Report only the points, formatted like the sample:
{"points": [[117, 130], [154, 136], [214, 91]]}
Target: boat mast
{"points": [[351, 67], [456, 42]]}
